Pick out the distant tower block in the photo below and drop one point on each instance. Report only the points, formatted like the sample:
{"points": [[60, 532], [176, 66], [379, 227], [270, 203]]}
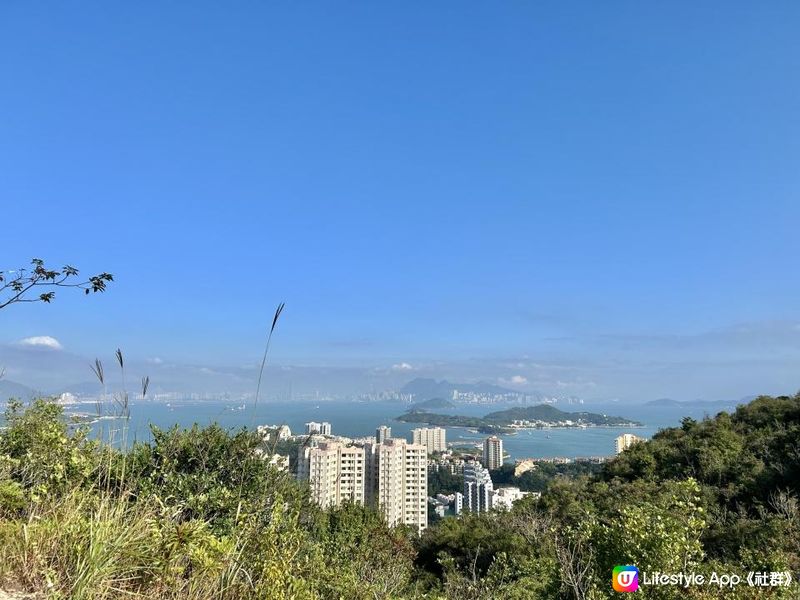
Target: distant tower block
{"points": [[493, 453], [383, 433], [433, 438], [324, 428], [625, 441]]}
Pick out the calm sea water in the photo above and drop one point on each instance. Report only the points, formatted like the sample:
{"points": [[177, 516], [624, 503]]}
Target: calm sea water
{"points": [[359, 419]]}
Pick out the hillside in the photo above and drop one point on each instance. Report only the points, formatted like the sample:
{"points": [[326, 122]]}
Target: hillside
{"points": [[433, 403], [544, 414], [422, 416], [11, 389], [550, 414], [743, 456]]}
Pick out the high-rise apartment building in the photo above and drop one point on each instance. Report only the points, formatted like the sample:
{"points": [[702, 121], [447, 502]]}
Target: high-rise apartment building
{"points": [[478, 488], [625, 441], [334, 472], [493, 453], [383, 433], [458, 503], [397, 482], [312, 427], [433, 438]]}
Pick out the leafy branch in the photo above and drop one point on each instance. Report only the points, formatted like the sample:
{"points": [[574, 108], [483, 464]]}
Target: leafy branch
{"points": [[25, 285]]}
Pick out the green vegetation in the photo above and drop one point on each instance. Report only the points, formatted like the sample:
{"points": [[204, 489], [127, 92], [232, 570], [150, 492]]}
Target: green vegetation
{"points": [[195, 514], [500, 421], [38, 284], [433, 403], [537, 480], [191, 514], [550, 414], [479, 423], [444, 482]]}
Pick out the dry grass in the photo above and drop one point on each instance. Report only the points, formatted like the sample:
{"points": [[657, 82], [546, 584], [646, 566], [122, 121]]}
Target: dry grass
{"points": [[88, 547]]}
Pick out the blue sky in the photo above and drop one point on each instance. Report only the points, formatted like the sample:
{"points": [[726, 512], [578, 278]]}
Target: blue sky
{"points": [[431, 184]]}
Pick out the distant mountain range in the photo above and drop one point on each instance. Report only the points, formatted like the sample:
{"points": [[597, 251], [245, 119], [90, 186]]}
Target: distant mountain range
{"points": [[665, 402], [427, 389], [12, 389]]}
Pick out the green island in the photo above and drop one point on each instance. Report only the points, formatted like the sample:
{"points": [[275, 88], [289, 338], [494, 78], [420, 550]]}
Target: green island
{"points": [[509, 420]]}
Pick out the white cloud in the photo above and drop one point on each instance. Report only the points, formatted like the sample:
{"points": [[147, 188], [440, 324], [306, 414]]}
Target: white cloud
{"points": [[155, 360], [404, 366], [42, 341]]}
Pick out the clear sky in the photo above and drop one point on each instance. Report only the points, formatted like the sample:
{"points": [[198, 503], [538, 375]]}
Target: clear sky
{"points": [[498, 186]]}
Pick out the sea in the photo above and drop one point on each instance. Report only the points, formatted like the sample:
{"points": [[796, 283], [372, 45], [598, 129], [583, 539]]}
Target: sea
{"points": [[360, 419]]}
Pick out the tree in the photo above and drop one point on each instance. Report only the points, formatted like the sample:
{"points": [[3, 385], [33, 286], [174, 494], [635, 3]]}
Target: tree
{"points": [[39, 450], [26, 285]]}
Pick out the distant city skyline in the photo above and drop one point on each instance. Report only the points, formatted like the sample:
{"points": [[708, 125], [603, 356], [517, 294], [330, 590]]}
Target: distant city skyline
{"points": [[602, 202], [54, 371]]}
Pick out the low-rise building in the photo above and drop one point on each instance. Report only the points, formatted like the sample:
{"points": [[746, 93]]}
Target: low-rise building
{"points": [[523, 466], [273, 432], [504, 497]]}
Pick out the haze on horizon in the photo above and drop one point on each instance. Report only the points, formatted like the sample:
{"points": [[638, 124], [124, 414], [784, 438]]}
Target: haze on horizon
{"points": [[596, 201]]}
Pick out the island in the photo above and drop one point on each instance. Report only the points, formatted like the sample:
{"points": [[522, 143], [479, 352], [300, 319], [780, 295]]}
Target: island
{"points": [[432, 403], [512, 419]]}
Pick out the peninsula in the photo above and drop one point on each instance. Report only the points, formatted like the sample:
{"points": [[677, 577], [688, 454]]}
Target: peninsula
{"points": [[509, 420]]}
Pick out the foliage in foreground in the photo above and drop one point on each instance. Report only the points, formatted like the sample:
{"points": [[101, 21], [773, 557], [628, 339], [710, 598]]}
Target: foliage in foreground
{"points": [[196, 514]]}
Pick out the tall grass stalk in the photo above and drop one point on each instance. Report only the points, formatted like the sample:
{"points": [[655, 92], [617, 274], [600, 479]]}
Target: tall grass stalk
{"points": [[121, 400], [275, 318], [278, 312]]}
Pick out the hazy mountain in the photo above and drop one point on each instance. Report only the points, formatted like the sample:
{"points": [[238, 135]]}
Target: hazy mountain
{"points": [[664, 402], [11, 389], [669, 402]]}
